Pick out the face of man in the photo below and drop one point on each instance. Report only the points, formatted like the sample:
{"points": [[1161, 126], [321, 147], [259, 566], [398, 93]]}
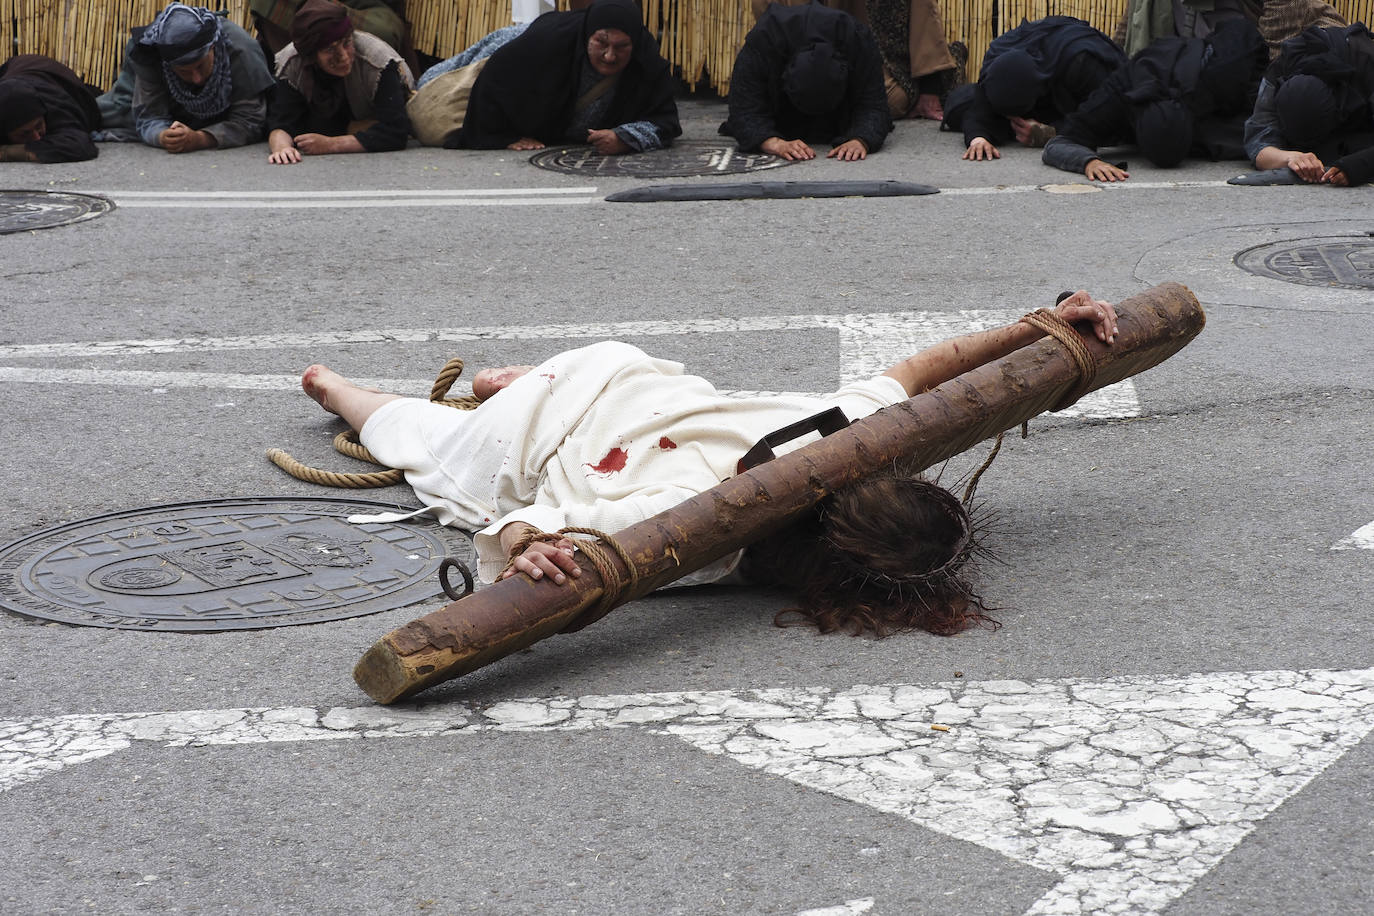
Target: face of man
{"points": [[609, 51], [489, 381], [336, 59], [29, 131], [198, 71]]}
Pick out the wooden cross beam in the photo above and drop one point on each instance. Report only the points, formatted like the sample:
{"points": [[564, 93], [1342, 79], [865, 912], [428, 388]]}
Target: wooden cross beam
{"points": [[913, 435]]}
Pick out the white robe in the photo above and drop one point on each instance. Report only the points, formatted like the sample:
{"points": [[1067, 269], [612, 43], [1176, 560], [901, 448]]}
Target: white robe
{"points": [[599, 437]]}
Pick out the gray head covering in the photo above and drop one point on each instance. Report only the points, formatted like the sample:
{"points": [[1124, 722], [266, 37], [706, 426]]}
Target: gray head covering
{"points": [[182, 34], [816, 78], [1011, 83], [1307, 110], [1164, 132]]}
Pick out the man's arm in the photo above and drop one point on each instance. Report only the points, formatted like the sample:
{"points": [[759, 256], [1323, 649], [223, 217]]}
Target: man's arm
{"points": [[952, 358]]}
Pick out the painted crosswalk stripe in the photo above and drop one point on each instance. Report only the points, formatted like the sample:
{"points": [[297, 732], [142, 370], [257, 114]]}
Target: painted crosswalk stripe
{"points": [[1127, 790], [1360, 539], [868, 344], [415, 197]]}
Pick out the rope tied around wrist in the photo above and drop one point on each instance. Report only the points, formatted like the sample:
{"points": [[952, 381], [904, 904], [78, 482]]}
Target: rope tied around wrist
{"points": [[612, 585], [1062, 331]]}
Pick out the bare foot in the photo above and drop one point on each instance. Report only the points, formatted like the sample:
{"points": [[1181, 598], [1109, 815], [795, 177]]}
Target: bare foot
{"points": [[318, 381], [927, 106]]}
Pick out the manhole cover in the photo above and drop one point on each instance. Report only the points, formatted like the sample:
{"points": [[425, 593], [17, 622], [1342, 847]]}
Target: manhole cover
{"points": [[24, 210], [235, 564], [689, 157], [1344, 262]]}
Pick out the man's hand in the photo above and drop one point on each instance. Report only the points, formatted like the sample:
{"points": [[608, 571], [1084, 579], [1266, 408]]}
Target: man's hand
{"points": [[981, 149], [282, 150], [315, 144], [1335, 176], [1307, 167], [1098, 170], [849, 151], [790, 150], [1081, 306], [526, 143], [542, 558], [607, 142], [181, 139], [1021, 128]]}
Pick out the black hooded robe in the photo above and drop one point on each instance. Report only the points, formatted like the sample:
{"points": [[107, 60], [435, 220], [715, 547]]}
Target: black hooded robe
{"points": [[759, 108], [69, 107]]}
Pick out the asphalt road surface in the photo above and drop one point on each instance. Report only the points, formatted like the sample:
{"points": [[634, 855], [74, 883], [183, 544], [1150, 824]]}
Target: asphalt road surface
{"points": [[1172, 718]]}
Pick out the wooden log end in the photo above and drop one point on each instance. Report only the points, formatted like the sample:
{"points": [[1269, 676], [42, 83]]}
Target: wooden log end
{"points": [[384, 677]]}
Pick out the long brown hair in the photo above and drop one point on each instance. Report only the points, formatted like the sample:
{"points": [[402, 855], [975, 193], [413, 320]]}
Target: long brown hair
{"points": [[883, 555]]}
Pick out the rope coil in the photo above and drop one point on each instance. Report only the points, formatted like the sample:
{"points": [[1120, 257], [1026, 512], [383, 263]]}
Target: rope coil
{"points": [[346, 443], [1064, 332]]}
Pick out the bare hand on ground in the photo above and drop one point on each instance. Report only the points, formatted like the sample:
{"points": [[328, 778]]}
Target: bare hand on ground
{"points": [[1098, 170], [849, 151], [981, 149], [791, 150], [525, 143]]}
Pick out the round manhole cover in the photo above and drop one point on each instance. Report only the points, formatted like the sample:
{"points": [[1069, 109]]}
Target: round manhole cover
{"points": [[234, 564], [1346, 262], [24, 210], [681, 160]]}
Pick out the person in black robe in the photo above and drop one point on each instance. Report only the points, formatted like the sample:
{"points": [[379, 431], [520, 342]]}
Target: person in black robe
{"points": [[1315, 109], [46, 112], [808, 74], [591, 76], [1178, 97], [1033, 77], [338, 90]]}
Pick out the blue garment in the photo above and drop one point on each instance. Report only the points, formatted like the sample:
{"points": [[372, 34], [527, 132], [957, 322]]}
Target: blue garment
{"points": [[483, 48]]}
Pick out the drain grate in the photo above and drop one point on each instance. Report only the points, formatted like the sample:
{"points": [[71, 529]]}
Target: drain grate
{"points": [[1346, 262], [21, 211], [233, 564], [681, 160]]}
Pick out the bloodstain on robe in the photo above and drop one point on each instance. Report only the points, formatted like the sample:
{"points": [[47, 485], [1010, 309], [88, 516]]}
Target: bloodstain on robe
{"points": [[665, 443], [614, 461]]}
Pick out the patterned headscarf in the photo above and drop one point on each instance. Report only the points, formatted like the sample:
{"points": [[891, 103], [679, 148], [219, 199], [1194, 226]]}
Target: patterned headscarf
{"points": [[182, 35]]}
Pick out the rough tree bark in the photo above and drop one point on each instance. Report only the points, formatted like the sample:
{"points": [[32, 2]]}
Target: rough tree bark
{"points": [[517, 612]]}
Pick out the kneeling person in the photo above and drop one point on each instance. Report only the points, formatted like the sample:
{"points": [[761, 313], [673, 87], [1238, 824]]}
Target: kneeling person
{"points": [[808, 74], [191, 81], [338, 90]]}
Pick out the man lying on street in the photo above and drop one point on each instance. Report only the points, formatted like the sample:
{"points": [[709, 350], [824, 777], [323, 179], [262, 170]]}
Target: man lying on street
{"points": [[46, 112], [606, 436], [1032, 78], [1315, 110], [1179, 97], [191, 80], [338, 90]]}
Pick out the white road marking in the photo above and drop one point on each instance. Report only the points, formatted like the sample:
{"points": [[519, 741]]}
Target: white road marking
{"points": [[869, 343], [848, 908], [1085, 187], [515, 197], [1128, 789], [1360, 539], [473, 197]]}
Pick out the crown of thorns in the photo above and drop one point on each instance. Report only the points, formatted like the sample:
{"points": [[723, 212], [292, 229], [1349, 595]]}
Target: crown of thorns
{"points": [[936, 578]]}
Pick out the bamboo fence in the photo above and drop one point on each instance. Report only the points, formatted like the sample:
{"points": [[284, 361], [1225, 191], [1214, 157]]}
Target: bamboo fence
{"points": [[699, 37]]}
